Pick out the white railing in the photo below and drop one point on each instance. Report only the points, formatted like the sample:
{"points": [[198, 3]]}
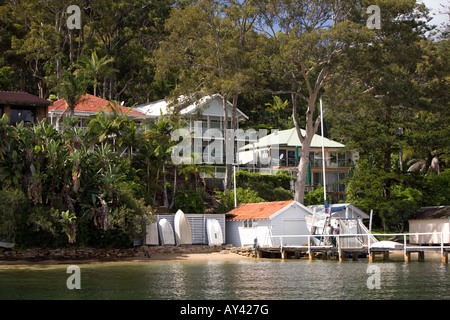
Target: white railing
{"points": [[340, 241]]}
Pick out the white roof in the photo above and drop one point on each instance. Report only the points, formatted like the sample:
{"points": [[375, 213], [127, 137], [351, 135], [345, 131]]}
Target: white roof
{"points": [[164, 106], [290, 138], [337, 208]]}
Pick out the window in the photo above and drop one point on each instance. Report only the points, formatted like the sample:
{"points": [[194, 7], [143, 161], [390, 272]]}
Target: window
{"points": [[291, 158], [1, 112], [18, 115], [248, 223]]}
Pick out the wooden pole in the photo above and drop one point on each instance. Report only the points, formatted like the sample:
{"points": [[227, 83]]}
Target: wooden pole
{"points": [[407, 256], [421, 256], [445, 257]]}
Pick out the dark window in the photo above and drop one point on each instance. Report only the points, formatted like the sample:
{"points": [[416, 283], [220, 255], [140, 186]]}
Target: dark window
{"points": [[18, 115], [291, 158], [1, 112]]}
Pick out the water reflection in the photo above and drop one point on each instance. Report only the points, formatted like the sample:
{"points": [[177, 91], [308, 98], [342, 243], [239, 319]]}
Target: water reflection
{"points": [[246, 279]]}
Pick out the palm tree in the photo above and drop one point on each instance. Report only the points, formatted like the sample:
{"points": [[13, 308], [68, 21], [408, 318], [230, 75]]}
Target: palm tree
{"points": [[70, 88], [277, 107], [94, 68], [195, 168]]}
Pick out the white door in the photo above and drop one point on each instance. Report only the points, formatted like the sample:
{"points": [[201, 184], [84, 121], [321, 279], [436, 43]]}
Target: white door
{"points": [[295, 228]]}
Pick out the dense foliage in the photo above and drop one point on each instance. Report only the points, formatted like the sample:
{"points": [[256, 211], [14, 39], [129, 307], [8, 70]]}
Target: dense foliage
{"points": [[57, 183], [385, 92]]}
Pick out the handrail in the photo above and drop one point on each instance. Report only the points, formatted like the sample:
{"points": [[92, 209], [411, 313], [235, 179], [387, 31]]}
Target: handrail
{"points": [[338, 236]]}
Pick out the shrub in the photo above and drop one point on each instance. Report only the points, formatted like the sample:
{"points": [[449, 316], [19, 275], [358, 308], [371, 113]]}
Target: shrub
{"points": [[242, 195], [11, 205], [188, 201]]}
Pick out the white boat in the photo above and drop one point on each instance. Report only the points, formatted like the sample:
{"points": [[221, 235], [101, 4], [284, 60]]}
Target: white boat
{"points": [[166, 233], [386, 245], [151, 234], [214, 231], [183, 234], [6, 245]]}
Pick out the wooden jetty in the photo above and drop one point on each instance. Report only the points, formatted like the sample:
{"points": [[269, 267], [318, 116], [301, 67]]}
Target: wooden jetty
{"points": [[342, 252]]}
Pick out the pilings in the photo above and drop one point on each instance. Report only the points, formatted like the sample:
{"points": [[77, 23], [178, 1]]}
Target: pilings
{"points": [[342, 254]]}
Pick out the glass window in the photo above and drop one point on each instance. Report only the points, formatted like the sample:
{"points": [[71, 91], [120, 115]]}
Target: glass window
{"points": [[291, 158], [283, 159], [18, 115]]}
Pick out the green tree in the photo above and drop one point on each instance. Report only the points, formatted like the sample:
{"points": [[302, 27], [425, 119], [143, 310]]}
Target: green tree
{"points": [[308, 38], [209, 50], [94, 68], [70, 88]]}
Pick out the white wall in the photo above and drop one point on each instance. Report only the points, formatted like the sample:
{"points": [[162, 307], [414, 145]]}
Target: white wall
{"points": [[240, 236], [289, 222], [429, 225]]}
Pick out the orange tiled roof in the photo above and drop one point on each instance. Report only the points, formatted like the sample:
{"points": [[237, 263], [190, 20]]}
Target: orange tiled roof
{"points": [[90, 103], [262, 210]]}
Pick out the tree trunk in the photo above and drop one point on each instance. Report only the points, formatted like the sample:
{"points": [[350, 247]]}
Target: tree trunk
{"points": [[174, 188]]}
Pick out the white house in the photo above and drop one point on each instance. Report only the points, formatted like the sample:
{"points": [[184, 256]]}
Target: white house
{"points": [[270, 223], [205, 123], [282, 150], [434, 220]]}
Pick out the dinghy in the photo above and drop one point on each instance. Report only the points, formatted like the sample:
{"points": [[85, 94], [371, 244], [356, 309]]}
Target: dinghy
{"points": [[386, 245], [166, 233], [151, 234], [183, 233], [214, 231]]}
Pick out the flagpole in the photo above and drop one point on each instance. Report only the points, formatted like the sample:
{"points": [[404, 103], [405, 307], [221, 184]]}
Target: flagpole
{"points": [[323, 154]]}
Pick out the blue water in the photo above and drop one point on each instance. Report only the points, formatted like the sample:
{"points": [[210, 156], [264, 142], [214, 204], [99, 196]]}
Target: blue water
{"points": [[263, 279]]}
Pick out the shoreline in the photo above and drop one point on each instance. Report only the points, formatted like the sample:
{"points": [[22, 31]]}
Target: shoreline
{"points": [[141, 254]]}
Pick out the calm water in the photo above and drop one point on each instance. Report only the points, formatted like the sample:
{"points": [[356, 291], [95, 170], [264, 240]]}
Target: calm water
{"points": [[246, 279]]}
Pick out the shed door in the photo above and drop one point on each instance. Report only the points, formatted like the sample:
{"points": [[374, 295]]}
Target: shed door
{"points": [[294, 227]]}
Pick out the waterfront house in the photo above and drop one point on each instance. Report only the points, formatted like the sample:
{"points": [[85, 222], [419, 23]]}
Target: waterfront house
{"points": [[281, 150], [23, 106], [207, 110], [430, 220], [267, 222], [89, 105], [204, 118]]}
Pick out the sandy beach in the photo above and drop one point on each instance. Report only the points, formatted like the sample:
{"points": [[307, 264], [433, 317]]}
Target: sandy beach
{"points": [[156, 257]]}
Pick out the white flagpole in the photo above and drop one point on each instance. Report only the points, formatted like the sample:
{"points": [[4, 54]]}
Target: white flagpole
{"points": [[323, 154], [235, 195]]}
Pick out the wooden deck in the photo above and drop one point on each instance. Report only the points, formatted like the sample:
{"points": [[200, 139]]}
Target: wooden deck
{"points": [[341, 253]]}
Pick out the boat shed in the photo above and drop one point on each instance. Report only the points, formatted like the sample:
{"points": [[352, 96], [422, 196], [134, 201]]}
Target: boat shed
{"points": [[434, 220], [269, 223]]}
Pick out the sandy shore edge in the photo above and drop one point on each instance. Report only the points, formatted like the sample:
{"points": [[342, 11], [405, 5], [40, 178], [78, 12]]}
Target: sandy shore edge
{"points": [[161, 257]]}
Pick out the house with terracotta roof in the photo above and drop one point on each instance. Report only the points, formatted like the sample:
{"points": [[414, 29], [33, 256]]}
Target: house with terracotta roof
{"points": [[270, 223], [23, 106], [89, 105]]}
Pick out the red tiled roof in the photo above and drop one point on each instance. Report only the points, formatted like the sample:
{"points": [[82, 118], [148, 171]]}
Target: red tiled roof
{"points": [[262, 210], [90, 103], [22, 98]]}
